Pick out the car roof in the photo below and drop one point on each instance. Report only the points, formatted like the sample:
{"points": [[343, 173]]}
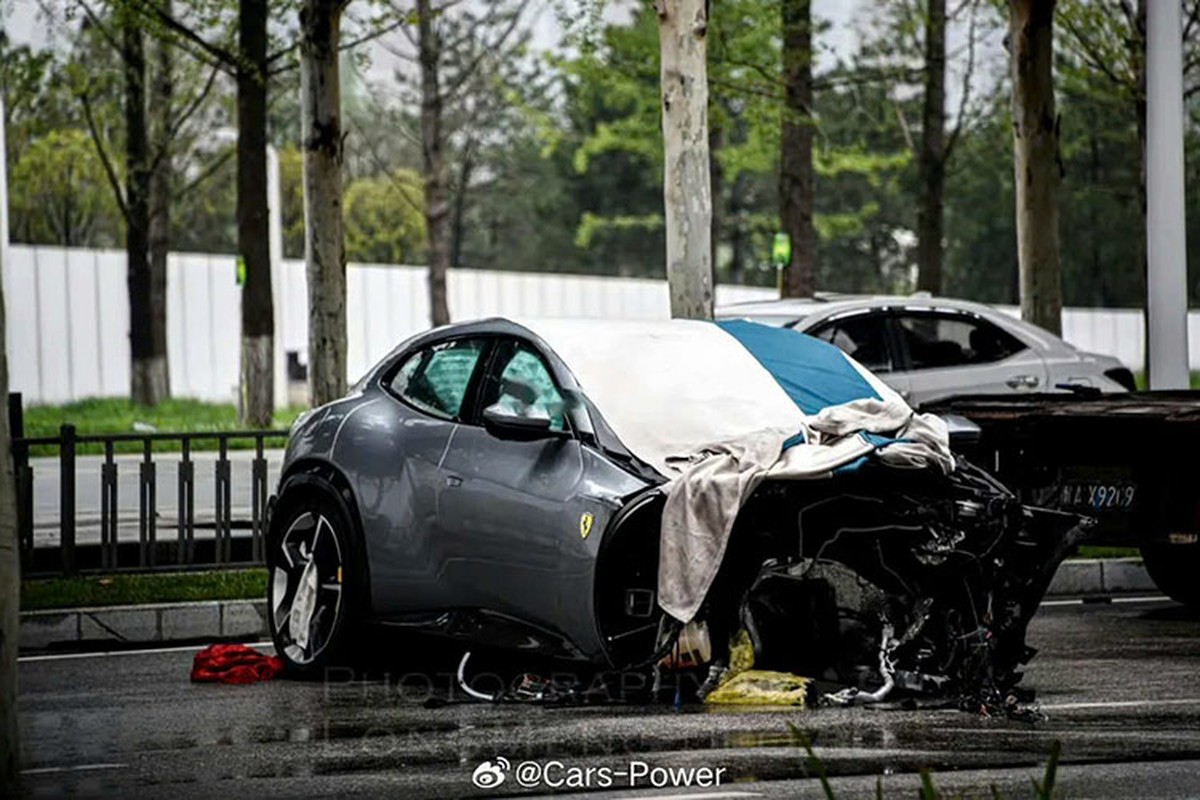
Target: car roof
{"points": [[798, 308], [793, 312]]}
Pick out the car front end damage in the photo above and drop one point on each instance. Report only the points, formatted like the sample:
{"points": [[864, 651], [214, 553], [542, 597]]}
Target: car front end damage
{"points": [[877, 585]]}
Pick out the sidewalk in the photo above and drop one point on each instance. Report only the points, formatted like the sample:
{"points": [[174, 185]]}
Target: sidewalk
{"points": [[246, 620]]}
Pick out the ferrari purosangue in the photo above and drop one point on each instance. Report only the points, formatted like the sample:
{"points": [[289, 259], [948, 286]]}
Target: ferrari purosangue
{"points": [[600, 492]]}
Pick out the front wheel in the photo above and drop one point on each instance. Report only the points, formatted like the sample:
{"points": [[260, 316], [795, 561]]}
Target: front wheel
{"points": [[316, 574], [1174, 570]]}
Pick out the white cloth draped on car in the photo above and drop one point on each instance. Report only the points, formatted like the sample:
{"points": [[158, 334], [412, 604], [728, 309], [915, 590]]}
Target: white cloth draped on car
{"points": [[719, 407]]}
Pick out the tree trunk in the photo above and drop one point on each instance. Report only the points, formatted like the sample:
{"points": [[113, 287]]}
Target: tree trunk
{"points": [[162, 89], [796, 142], [1037, 167], [437, 194], [458, 225], [932, 158], [147, 324], [10, 562], [682, 34], [324, 246], [716, 140], [737, 233], [254, 234]]}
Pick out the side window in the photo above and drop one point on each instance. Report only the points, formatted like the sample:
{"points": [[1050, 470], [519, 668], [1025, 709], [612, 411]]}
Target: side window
{"points": [[525, 386], [862, 338], [945, 340], [435, 380]]}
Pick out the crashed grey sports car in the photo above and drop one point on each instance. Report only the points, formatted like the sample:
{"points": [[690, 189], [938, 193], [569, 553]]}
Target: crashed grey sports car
{"points": [[601, 492]]}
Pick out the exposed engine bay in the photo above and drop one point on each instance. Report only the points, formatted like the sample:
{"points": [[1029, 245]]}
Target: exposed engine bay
{"points": [[880, 584]]}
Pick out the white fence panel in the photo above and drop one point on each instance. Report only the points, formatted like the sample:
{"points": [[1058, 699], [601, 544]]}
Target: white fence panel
{"points": [[68, 329]]}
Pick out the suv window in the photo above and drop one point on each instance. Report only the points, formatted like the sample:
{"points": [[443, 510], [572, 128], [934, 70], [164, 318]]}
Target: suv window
{"points": [[435, 380], [525, 385], [954, 340], [862, 337]]}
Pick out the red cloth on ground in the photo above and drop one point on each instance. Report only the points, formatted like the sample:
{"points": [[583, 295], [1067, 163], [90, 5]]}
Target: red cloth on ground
{"points": [[234, 663]]}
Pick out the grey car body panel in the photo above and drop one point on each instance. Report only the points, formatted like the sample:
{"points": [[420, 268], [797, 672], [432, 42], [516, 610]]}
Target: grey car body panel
{"points": [[456, 518]]}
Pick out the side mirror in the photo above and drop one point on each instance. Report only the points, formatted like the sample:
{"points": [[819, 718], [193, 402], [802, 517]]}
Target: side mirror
{"points": [[506, 423], [963, 432]]}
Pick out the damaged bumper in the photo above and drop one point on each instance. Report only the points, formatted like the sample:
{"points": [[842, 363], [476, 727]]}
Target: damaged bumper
{"points": [[884, 586]]}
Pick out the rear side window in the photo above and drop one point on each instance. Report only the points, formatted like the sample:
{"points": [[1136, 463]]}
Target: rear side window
{"points": [[863, 338], [952, 340], [435, 380]]}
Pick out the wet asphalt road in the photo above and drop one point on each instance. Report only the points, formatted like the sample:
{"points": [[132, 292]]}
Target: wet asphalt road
{"points": [[1119, 685]]}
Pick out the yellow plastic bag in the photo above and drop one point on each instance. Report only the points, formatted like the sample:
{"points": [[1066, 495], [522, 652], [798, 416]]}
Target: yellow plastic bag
{"points": [[760, 687]]}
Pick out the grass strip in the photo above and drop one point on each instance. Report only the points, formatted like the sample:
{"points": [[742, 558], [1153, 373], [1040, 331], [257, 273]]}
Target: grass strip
{"points": [[41, 594], [104, 415]]}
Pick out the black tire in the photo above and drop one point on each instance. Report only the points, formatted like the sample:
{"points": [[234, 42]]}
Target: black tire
{"points": [[1175, 569], [313, 542]]}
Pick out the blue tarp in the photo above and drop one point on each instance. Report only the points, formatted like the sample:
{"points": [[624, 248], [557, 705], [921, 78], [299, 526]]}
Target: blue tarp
{"points": [[813, 373]]}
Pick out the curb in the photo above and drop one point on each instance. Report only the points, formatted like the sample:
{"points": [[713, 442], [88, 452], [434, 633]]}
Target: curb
{"points": [[1101, 576], [143, 624], [247, 619]]}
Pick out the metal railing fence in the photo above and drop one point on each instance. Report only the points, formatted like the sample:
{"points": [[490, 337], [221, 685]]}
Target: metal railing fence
{"points": [[151, 550]]}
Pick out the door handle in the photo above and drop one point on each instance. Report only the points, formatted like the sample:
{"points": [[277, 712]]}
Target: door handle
{"points": [[453, 481], [1023, 382]]}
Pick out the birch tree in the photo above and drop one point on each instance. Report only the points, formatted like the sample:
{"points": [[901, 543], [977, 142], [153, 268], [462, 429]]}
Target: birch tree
{"points": [[1037, 165], [324, 247], [687, 185]]}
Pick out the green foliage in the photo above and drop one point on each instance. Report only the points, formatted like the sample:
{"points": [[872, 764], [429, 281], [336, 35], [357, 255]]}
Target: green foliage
{"points": [[384, 218], [291, 186], [592, 224], [554, 161], [60, 194]]}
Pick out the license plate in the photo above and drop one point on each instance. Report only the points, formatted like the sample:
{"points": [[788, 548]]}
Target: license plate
{"points": [[1089, 496]]}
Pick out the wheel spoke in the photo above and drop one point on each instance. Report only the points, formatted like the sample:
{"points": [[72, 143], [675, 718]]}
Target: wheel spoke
{"points": [[279, 592], [306, 587], [303, 606]]}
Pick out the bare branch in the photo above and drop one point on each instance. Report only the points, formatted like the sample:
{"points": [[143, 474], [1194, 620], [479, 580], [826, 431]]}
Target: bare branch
{"points": [[1193, 19], [491, 49], [1094, 58], [95, 22], [213, 167], [227, 60], [965, 96], [173, 131], [401, 188], [105, 161], [908, 137]]}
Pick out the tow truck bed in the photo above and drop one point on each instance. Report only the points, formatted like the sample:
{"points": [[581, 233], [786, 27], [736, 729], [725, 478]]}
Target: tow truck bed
{"points": [[1132, 461]]}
